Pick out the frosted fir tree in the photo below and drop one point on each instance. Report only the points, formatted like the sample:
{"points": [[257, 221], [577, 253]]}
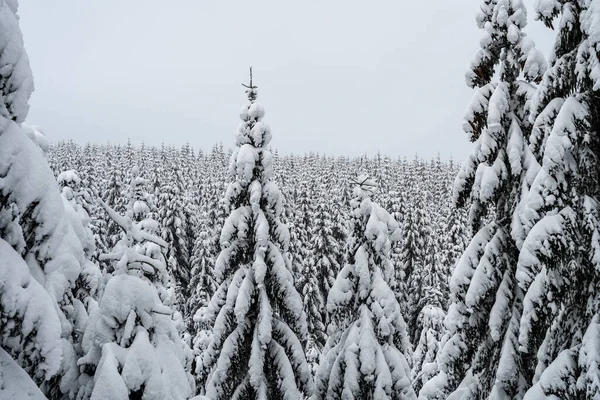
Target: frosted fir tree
{"points": [[453, 238], [339, 213], [313, 306], [431, 302], [446, 246], [141, 209], [366, 354], [112, 196], [132, 345], [559, 259], [174, 223], [77, 200], [447, 233], [257, 348], [31, 329], [483, 320], [35, 233], [414, 248], [398, 210], [203, 283], [302, 223], [431, 338], [320, 271], [191, 197], [80, 199], [211, 216]]}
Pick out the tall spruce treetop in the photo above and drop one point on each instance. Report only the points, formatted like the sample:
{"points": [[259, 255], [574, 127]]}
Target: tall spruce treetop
{"points": [[483, 318], [257, 349], [366, 354]]}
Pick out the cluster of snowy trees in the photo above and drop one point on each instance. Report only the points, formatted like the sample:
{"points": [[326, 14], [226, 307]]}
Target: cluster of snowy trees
{"points": [[523, 322], [188, 190], [243, 270], [161, 273]]}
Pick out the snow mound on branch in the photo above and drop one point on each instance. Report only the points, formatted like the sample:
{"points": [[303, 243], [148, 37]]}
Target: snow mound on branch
{"points": [[14, 65], [37, 136], [24, 302], [14, 382]]}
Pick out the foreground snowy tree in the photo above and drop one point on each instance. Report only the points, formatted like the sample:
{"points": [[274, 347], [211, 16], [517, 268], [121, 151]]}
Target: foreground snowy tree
{"points": [[257, 348], [365, 355], [559, 262], [35, 227], [14, 381], [30, 328], [483, 318], [132, 346]]}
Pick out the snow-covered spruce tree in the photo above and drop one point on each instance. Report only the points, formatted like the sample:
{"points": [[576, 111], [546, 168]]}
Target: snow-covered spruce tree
{"points": [[204, 286], [452, 230], [398, 210], [211, 217], [80, 199], [560, 257], [366, 354], [483, 319], [313, 306], [446, 243], [431, 301], [203, 282], [257, 349], [132, 345], [141, 209], [101, 225], [172, 217], [431, 338], [191, 196], [339, 213], [29, 325], [112, 196], [34, 222], [89, 284], [320, 271], [415, 244], [453, 237], [302, 223]]}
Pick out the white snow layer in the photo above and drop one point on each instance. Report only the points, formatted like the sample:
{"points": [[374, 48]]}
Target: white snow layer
{"points": [[25, 303], [15, 384]]}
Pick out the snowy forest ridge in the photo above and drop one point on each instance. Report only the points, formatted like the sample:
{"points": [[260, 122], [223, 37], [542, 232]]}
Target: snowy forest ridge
{"points": [[146, 273]]}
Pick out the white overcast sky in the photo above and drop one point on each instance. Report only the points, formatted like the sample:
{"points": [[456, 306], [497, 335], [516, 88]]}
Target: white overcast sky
{"points": [[336, 76]]}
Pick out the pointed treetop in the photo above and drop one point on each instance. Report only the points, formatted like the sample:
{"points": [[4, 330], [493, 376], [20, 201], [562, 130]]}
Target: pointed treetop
{"points": [[365, 186], [251, 89]]}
